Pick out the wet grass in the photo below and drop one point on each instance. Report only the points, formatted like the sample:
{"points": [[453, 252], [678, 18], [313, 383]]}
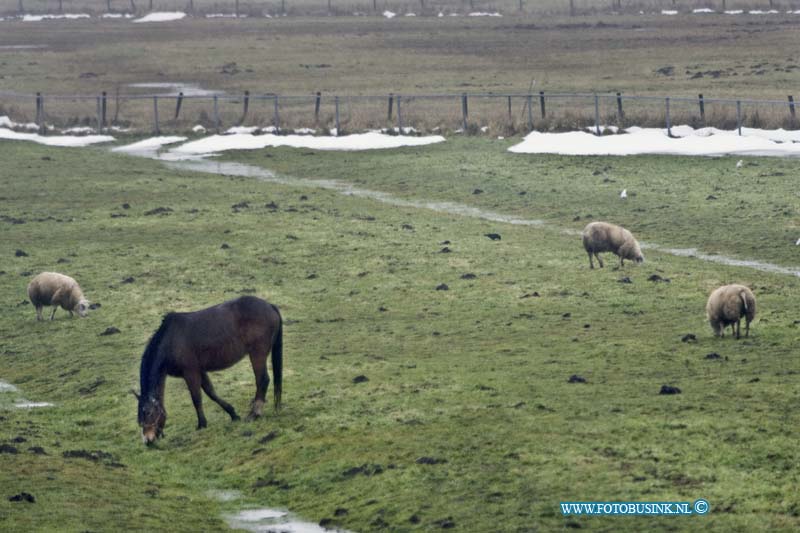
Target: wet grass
{"points": [[466, 414]]}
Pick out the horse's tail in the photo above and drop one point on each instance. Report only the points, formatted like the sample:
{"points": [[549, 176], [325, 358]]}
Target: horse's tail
{"points": [[277, 360]]}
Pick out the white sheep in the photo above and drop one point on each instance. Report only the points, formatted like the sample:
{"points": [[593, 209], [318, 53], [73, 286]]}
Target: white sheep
{"points": [[604, 237], [52, 288], [727, 305]]}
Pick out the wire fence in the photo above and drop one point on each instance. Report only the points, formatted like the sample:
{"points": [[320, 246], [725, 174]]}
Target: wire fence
{"points": [[254, 8], [501, 114]]}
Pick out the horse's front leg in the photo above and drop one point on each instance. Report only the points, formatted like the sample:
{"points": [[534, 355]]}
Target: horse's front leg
{"points": [[193, 381], [259, 362]]}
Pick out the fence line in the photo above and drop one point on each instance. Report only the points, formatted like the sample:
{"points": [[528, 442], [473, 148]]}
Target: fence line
{"points": [[467, 111]]}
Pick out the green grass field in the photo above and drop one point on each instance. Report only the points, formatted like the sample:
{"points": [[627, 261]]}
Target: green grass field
{"points": [[467, 415]]}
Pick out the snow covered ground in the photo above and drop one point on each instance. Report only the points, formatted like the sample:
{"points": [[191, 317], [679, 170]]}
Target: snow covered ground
{"points": [[684, 141]]}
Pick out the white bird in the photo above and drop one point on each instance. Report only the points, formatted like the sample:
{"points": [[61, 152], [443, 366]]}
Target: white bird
{"points": [[740, 163], [623, 194], [797, 243]]}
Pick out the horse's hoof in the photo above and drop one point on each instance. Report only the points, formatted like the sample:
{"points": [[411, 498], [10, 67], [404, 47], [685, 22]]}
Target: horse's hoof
{"points": [[235, 418], [252, 416]]}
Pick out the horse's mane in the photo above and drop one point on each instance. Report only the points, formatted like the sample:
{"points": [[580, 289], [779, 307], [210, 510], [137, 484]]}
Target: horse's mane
{"points": [[149, 372]]}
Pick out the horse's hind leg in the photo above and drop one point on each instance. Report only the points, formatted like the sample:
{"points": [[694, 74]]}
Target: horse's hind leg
{"points": [[193, 381], [209, 389], [259, 362]]}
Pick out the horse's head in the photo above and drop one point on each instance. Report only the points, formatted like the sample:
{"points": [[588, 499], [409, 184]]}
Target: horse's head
{"points": [[152, 418]]}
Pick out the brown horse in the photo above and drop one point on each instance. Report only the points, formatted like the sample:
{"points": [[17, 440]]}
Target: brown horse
{"points": [[189, 345]]}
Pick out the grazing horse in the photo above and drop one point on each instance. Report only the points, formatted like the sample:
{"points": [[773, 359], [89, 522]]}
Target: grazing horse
{"points": [[189, 345]]}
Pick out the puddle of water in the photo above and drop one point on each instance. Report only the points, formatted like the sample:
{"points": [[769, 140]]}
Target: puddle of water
{"points": [[7, 387], [188, 89], [25, 404], [265, 520], [22, 46], [10, 393]]}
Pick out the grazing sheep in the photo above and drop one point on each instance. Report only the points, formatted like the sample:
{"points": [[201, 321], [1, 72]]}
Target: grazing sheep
{"points": [[52, 288], [604, 237], [727, 305]]}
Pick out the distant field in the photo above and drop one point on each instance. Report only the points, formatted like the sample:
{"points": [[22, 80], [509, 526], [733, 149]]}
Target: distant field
{"points": [[349, 7], [467, 416], [716, 55]]}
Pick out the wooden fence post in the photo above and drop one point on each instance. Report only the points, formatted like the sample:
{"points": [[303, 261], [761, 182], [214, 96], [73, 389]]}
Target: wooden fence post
{"points": [[103, 110], [530, 112], [399, 114], [155, 115], [702, 109], [389, 113], [40, 112], [216, 113], [464, 111], [99, 116], [179, 101], [245, 107], [791, 107], [596, 115], [520, 5], [509, 109], [541, 103], [236, 8], [669, 122], [317, 101], [739, 116], [571, 8], [620, 113], [276, 116], [336, 104]]}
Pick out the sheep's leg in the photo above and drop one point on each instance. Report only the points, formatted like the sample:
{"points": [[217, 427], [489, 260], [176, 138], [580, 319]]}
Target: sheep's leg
{"points": [[738, 328], [591, 263], [209, 389], [746, 328], [70, 314], [39, 313], [53, 314], [193, 381], [598, 259]]}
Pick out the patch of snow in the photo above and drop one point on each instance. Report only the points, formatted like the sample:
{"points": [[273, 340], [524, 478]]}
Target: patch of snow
{"points": [[153, 144], [55, 140], [759, 12], [116, 16], [668, 12], [410, 15], [685, 141], [389, 15], [484, 14], [703, 10], [305, 131], [199, 129], [161, 16], [484, 129], [78, 130], [65, 16], [734, 12], [241, 129], [362, 141], [603, 129], [221, 16]]}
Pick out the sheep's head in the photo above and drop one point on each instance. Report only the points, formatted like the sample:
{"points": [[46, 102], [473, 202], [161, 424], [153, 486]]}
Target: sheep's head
{"points": [[630, 250], [152, 418], [82, 308]]}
